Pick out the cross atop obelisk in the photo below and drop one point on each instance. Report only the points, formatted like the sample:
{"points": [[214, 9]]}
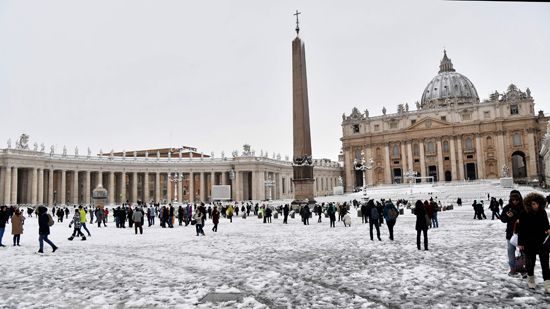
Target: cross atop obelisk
{"points": [[297, 22]]}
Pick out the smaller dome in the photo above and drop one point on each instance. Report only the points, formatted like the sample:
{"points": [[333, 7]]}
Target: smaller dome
{"points": [[447, 85]]}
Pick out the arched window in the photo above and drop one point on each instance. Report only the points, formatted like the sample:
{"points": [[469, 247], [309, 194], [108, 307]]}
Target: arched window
{"points": [[430, 147], [415, 149], [395, 150], [489, 142], [358, 154], [469, 143], [446, 146], [378, 151], [517, 140]]}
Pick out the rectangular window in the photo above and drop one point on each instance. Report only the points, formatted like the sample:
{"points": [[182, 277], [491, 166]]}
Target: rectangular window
{"points": [[184, 177], [355, 128], [487, 115], [376, 127], [139, 178], [395, 162], [446, 158], [416, 160], [444, 118], [466, 117], [469, 157], [446, 147], [413, 121], [164, 191], [514, 110], [283, 186], [151, 178], [393, 125], [415, 149], [151, 193]]}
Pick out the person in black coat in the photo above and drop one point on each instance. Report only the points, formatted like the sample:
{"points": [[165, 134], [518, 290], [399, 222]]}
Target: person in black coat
{"points": [[380, 209], [305, 215], [285, 213], [364, 215], [3, 219], [319, 212], [44, 229], [373, 221], [421, 224], [510, 215], [533, 230]]}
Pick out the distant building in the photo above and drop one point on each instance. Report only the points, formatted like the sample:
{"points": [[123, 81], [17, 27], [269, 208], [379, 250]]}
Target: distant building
{"points": [[450, 136]]}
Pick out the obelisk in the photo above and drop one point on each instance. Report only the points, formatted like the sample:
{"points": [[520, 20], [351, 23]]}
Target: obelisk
{"points": [[302, 161]]}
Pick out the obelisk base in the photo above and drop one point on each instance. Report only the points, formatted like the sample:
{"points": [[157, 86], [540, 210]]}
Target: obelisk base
{"points": [[303, 183]]}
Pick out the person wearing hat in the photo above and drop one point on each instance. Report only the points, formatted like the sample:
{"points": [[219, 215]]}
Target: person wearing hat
{"points": [[17, 221], [510, 215], [533, 230]]}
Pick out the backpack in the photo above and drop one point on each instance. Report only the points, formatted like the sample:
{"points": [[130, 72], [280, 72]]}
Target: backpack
{"points": [[330, 210], [50, 220], [374, 213], [392, 213]]}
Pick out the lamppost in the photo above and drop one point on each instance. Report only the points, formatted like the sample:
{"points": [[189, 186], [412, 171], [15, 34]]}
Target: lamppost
{"points": [[363, 167], [177, 178], [410, 175], [270, 184]]}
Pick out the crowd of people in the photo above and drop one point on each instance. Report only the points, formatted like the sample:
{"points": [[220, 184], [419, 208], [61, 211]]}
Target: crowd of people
{"points": [[527, 225]]}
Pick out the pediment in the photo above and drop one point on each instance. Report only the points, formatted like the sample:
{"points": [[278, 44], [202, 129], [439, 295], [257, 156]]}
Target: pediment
{"points": [[428, 123]]}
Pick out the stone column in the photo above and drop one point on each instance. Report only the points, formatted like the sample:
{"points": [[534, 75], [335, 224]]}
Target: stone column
{"points": [[369, 176], [533, 154], [180, 191], [234, 195], [348, 166], [111, 190], [41, 186], [501, 151], [7, 186], [404, 161], [422, 159], [454, 172], [202, 187], [145, 187], [63, 189], [238, 185], [134, 188], [34, 186], [460, 158], [123, 187], [410, 155], [191, 187], [388, 163], [157, 187], [75, 188], [87, 189], [441, 171], [50, 186], [261, 185], [479, 155], [168, 188], [14, 175]]}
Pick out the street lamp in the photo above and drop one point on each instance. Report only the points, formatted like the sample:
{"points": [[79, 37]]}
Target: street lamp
{"points": [[270, 184], [410, 175], [177, 178], [363, 167]]}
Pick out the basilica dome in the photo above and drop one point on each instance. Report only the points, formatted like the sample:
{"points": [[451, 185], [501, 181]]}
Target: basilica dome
{"points": [[448, 87]]}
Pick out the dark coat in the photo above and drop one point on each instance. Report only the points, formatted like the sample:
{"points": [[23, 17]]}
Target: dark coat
{"points": [[285, 210], [510, 220], [43, 219], [369, 207], [420, 213], [533, 227], [3, 218], [364, 209], [215, 216]]}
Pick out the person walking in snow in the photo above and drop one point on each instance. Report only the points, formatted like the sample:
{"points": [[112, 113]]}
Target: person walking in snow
{"points": [[44, 229], [510, 216], [17, 221], [83, 219], [390, 213], [305, 214], [198, 226], [533, 230], [229, 213], [331, 211], [215, 219], [494, 207], [421, 224], [3, 219], [373, 213], [347, 220], [98, 216], [77, 221], [364, 215], [435, 209], [137, 216], [285, 214]]}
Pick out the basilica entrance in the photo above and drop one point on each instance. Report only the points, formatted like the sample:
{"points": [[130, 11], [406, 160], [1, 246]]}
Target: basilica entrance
{"points": [[448, 176], [518, 165], [470, 171], [358, 178], [432, 171], [397, 176]]}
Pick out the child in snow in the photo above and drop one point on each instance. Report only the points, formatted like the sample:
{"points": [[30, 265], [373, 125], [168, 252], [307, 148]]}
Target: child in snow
{"points": [[347, 220], [77, 221]]}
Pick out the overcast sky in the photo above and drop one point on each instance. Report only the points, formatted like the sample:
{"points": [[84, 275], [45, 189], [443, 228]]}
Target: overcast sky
{"points": [[218, 74]]}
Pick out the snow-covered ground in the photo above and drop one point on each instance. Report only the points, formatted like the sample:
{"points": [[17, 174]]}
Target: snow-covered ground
{"points": [[275, 265]]}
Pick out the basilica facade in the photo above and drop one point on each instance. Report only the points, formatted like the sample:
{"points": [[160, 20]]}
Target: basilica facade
{"points": [[451, 135]]}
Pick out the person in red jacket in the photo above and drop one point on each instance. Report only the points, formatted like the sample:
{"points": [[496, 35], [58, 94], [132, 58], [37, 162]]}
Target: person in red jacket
{"points": [[215, 219]]}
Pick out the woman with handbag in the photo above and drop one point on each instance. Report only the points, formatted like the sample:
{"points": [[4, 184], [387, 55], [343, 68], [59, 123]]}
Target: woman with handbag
{"points": [[533, 230], [198, 222], [421, 224], [510, 214]]}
